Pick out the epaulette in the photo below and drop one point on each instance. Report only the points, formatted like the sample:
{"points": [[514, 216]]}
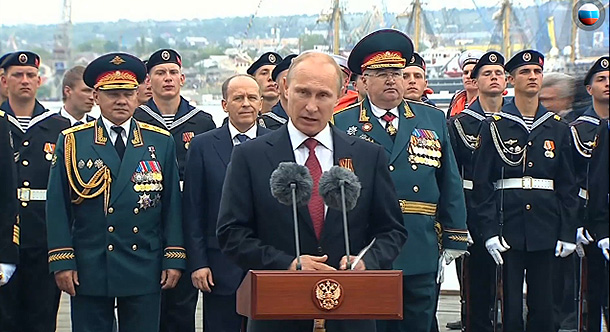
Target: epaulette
{"points": [[348, 107], [78, 128], [153, 128]]}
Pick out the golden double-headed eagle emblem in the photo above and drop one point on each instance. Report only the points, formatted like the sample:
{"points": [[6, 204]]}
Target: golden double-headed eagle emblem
{"points": [[328, 294]]}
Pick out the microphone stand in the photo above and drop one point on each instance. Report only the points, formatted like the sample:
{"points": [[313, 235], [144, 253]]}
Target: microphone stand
{"points": [[345, 230], [293, 186]]}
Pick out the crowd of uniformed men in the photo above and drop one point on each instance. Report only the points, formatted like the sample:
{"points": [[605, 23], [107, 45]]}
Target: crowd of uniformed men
{"points": [[137, 210]]}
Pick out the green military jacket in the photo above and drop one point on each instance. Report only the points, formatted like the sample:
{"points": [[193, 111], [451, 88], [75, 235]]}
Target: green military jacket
{"points": [[118, 223], [425, 174]]}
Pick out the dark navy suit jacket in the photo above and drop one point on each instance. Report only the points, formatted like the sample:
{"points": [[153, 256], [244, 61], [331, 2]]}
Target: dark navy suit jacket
{"points": [[207, 160]]}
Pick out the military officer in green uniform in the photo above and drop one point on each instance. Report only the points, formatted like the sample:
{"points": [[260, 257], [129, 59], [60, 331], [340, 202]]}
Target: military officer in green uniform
{"points": [[113, 213], [421, 161]]}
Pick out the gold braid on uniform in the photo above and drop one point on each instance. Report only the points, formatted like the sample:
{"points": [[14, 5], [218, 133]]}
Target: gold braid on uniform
{"points": [[580, 147], [101, 178], [471, 142], [502, 149]]}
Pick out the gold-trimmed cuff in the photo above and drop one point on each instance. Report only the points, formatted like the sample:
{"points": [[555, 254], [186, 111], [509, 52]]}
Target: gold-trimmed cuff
{"points": [[456, 235], [61, 254], [411, 207], [175, 253]]}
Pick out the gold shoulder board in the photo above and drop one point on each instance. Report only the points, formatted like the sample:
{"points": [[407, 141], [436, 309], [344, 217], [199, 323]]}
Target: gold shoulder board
{"points": [[156, 129], [79, 127]]}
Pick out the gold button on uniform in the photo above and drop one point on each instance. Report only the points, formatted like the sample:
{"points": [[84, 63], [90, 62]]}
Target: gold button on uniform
{"points": [[414, 167], [136, 210], [134, 247], [391, 168], [530, 164], [25, 163], [110, 247], [135, 230], [110, 229], [26, 184], [26, 143], [528, 207], [416, 189], [110, 209], [530, 143]]}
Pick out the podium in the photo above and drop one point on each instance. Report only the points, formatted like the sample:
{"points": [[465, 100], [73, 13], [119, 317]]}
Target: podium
{"points": [[301, 295]]}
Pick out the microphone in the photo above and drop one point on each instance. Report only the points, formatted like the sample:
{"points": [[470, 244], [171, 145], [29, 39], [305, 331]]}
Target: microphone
{"points": [[291, 184], [340, 189]]}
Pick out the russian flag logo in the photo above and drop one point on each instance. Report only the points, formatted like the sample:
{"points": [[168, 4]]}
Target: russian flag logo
{"points": [[588, 14]]}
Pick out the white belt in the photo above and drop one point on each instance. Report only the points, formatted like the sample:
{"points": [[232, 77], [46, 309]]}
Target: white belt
{"points": [[583, 193], [181, 186], [526, 182], [27, 194], [468, 185]]}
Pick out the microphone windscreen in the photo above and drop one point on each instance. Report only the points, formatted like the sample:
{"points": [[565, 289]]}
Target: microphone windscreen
{"points": [[330, 188], [284, 175]]}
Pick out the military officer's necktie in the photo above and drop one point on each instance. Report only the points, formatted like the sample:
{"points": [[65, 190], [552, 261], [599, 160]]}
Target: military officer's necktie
{"points": [[316, 204], [389, 127], [242, 138], [119, 145]]}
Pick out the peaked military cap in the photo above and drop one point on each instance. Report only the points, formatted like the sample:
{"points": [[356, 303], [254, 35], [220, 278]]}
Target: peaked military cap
{"points": [[21, 58], [384, 48], [115, 71], [269, 58], [526, 57], [417, 61], [600, 65], [166, 55], [284, 65], [489, 58], [469, 57]]}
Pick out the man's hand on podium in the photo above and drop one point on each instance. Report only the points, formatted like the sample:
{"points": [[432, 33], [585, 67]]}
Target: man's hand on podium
{"points": [[202, 279], [312, 263], [360, 266]]}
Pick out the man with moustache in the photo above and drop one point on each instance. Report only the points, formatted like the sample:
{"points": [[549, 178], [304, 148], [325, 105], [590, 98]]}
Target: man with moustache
{"points": [[114, 214], [210, 153], [261, 70], [255, 231], [489, 77], [77, 97], [463, 98], [278, 117], [169, 110], [29, 302], [584, 137], [422, 166], [524, 194]]}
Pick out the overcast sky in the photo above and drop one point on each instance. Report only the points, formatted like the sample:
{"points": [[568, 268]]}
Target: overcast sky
{"points": [[49, 11]]}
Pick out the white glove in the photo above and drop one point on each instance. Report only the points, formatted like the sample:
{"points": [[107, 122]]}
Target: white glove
{"points": [[603, 245], [450, 255], [440, 273], [564, 249], [6, 272], [583, 236], [495, 246], [470, 240]]}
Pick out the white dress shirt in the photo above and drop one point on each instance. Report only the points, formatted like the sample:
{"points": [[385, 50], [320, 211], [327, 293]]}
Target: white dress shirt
{"points": [[113, 135], [323, 151], [251, 133], [69, 116], [379, 112]]}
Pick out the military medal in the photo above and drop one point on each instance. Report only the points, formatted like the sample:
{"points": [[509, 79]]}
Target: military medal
{"points": [[425, 148], [151, 149], [367, 126], [98, 163], [549, 146], [81, 164], [187, 137], [145, 201], [49, 148], [89, 163], [352, 130], [391, 129]]}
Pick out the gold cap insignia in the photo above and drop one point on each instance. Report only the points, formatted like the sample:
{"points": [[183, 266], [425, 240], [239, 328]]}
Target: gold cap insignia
{"points": [[412, 59], [165, 55], [272, 58], [117, 60], [493, 58], [23, 58], [328, 294], [527, 56], [604, 63]]}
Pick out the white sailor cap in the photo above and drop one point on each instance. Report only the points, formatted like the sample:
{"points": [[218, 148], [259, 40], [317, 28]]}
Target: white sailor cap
{"points": [[468, 57]]}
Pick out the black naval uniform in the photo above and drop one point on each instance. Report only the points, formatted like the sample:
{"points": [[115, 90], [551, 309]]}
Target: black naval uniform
{"points": [[178, 305], [9, 227], [274, 119], [538, 190], [584, 132], [464, 130], [29, 302]]}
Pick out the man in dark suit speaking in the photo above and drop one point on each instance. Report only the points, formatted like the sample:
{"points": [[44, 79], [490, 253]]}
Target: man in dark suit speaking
{"points": [[256, 231]]}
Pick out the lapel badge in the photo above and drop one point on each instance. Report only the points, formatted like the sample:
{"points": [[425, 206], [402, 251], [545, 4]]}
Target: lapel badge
{"points": [[352, 130], [98, 163], [151, 149], [49, 148], [81, 164], [346, 163], [549, 146], [89, 163], [367, 126], [261, 122], [187, 137], [367, 138]]}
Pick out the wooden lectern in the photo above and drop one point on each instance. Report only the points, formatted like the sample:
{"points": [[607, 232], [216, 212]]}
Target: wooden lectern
{"points": [[292, 295]]}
